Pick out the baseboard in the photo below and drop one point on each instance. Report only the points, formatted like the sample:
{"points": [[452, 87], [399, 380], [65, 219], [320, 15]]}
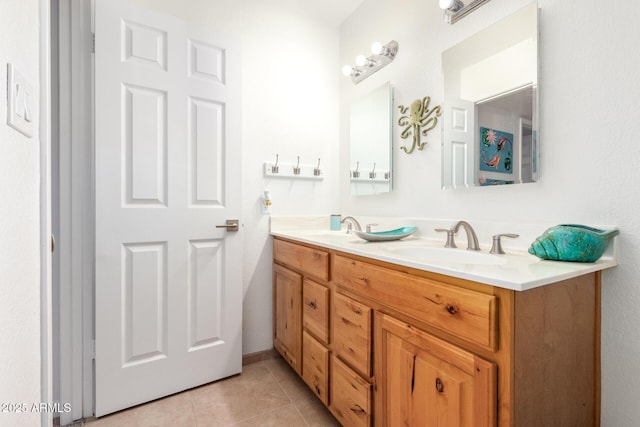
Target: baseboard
{"points": [[248, 359]]}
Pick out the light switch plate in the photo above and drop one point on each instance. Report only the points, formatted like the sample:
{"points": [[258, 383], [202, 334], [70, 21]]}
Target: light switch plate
{"points": [[19, 102]]}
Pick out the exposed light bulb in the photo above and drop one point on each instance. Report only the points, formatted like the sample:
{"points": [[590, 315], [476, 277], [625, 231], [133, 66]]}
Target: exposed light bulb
{"points": [[452, 5], [347, 70], [446, 4], [361, 60], [377, 48]]}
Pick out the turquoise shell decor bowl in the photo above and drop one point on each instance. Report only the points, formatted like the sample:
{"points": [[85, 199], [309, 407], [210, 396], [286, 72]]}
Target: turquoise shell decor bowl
{"points": [[572, 242]]}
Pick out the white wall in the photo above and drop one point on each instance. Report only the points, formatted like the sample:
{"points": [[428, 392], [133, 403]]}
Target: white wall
{"points": [[290, 107], [590, 112], [19, 221]]}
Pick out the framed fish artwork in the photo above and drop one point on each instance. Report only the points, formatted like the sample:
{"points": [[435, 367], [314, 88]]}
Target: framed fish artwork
{"points": [[496, 151], [486, 182]]}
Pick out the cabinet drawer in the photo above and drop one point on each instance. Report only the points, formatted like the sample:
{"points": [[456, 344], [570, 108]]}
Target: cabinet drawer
{"points": [[351, 325], [311, 261], [315, 309], [350, 396], [315, 366], [462, 312]]}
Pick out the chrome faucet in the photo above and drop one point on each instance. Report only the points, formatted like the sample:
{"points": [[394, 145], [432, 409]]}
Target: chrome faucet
{"points": [[351, 223], [472, 239]]}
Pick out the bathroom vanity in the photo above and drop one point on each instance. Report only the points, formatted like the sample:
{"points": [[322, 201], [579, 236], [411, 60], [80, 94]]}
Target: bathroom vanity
{"points": [[386, 343]]}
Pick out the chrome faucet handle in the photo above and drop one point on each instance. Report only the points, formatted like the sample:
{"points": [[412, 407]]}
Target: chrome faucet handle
{"points": [[451, 243], [368, 227], [496, 248]]}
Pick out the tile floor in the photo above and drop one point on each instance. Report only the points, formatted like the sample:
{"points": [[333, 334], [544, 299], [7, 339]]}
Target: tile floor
{"points": [[267, 393]]}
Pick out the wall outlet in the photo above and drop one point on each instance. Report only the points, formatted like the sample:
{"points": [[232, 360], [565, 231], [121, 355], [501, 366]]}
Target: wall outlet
{"points": [[19, 102]]}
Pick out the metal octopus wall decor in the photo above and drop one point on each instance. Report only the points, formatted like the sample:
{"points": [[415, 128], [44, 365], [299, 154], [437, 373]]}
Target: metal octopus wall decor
{"points": [[420, 116]]}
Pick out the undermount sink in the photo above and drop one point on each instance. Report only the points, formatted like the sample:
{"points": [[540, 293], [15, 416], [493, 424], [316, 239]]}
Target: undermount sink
{"points": [[448, 255], [333, 234]]}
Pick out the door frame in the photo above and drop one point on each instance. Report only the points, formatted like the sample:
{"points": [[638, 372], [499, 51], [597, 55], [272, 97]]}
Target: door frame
{"points": [[74, 282], [44, 136]]}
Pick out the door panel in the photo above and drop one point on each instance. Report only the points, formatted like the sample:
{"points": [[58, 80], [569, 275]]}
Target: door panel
{"points": [[205, 293], [145, 146], [206, 124], [144, 302], [458, 148], [167, 172]]}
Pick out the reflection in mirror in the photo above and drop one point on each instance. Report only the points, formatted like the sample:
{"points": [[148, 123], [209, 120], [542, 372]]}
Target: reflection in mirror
{"points": [[370, 140], [489, 132]]}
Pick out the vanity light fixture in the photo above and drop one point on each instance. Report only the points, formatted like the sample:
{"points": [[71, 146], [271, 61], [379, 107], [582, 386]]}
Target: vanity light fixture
{"points": [[381, 55], [455, 10]]}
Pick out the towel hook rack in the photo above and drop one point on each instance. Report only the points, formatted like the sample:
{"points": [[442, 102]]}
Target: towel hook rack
{"points": [[316, 171], [275, 168], [296, 168], [356, 173]]}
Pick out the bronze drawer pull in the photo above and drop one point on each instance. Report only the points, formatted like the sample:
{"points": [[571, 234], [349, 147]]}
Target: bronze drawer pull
{"points": [[451, 309], [439, 385], [313, 305]]}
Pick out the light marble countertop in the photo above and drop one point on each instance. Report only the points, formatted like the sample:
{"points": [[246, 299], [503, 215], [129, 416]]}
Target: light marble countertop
{"points": [[516, 270]]}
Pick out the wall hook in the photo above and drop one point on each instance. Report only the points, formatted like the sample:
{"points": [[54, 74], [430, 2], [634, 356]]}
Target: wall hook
{"points": [[356, 173], [275, 168], [296, 168], [372, 174], [316, 171]]}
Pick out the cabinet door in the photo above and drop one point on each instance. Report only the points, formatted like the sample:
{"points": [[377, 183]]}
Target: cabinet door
{"points": [[424, 381], [287, 312]]}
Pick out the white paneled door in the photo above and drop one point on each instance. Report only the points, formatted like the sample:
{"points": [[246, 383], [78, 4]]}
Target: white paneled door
{"points": [[458, 147], [167, 173]]}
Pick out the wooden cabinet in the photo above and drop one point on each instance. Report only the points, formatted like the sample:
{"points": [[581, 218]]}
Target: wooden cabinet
{"points": [[350, 395], [287, 297], [425, 381], [387, 345], [352, 333], [313, 262], [315, 310], [464, 313], [315, 366]]}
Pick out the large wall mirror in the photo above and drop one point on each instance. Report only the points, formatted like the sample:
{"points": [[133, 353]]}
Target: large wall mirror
{"points": [[490, 123], [370, 140]]}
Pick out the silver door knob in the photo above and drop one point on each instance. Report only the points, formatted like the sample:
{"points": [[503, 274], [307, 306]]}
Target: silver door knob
{"points": [[231, 225]]}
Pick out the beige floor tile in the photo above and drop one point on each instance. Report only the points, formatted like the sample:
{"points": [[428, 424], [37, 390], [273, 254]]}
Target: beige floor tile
{"points": [[287, 416], [315, 413], [267, 393], [290, 382], [280, 369], [238, 399], [171, 411]]}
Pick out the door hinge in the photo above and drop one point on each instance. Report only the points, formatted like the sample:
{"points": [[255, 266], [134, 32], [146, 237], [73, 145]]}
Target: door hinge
{"points": [[93, 42], [93, 355]]}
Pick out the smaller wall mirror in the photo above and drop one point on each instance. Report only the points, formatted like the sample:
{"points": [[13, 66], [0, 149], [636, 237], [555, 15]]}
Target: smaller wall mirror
{"points": [[370, 139], [490, 81]]}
